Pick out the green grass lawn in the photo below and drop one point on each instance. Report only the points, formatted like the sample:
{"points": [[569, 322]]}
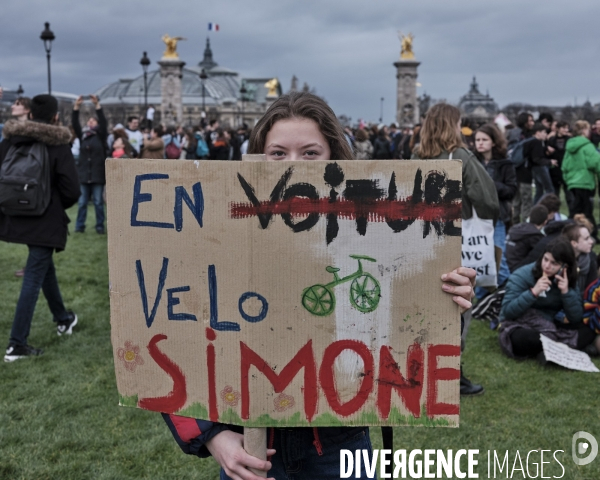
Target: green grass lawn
{"points": [[60, 419]]}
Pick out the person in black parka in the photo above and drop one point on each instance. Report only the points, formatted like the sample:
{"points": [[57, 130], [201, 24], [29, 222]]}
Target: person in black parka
{"points": [[45, 233], [90, 164]]}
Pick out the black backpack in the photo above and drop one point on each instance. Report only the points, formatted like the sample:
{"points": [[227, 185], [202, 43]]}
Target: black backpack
{"points": [[25, 187]]}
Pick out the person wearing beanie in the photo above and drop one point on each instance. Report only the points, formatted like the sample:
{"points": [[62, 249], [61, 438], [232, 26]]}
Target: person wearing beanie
{"points": [[45, 233]]}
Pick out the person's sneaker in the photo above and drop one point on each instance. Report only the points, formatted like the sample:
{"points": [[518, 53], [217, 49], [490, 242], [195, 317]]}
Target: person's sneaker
{"points": [[100, 230], [66, 327], [468, 388], [16, 352]]}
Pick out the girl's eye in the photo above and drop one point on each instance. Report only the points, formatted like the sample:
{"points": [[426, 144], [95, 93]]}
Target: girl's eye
{"points": [[277, 153], [310, 153]]}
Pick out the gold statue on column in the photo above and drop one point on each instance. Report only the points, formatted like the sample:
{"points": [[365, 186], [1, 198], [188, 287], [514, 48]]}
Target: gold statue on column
{"points": [[272, 86], [406, 41], [171, 43]]}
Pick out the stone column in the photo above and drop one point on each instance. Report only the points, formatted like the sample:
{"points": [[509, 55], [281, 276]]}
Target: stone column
{"points": [[407, 108], [171, 105]]}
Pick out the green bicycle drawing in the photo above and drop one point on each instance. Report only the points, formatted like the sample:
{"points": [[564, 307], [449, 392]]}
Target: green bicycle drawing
{"points": [[365, 291]]}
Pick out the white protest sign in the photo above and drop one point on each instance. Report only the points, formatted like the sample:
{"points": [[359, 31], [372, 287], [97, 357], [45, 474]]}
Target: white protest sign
{"points": [[567, 357]]}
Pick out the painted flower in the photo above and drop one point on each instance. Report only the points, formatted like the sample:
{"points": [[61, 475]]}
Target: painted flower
{"points": [[130, 356], [229, 396], [283, 402]]}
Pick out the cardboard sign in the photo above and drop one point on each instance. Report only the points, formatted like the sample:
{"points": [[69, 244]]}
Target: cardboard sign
{"points": [[286, 293], [566, 356]]}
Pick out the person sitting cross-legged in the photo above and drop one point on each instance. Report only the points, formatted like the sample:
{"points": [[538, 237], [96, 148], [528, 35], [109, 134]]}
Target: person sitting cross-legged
{"points": [[534, 295]]}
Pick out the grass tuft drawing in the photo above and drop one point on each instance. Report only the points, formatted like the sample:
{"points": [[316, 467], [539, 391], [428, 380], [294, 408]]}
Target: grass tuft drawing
{"points": [[365, 291]]}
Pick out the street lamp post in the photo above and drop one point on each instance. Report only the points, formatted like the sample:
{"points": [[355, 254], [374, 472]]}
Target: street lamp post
{"points": [[243, 92], [144, 62], [47, 37], [381, 111], [203, 77], [20, 91]]}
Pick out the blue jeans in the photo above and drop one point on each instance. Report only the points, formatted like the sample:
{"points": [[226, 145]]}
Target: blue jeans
{"points": [[39, 275], [543, 182], [95, 190], [500, 241], [297, 457]]}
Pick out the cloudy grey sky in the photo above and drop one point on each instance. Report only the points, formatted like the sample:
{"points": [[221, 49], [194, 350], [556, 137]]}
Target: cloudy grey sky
{"points": [[541, 52]]}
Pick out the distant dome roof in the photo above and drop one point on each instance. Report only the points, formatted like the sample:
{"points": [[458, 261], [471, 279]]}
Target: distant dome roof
{"points": [[222, 87], [475, 103]]}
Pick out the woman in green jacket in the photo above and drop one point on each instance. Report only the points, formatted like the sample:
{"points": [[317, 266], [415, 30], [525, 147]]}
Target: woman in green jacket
{"points": [[580, 167]]}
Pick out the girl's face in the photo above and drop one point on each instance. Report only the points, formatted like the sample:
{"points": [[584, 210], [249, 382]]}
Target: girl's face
{"points": [[584, 243], [549, 265], [296, 139], [483, 142], [118, 144]]}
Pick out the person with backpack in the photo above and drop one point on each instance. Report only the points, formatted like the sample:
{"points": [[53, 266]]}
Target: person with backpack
{"points": [[35, 215], [90, 163], [516, 139], [172, 144], [202, 150], [382, 146]]}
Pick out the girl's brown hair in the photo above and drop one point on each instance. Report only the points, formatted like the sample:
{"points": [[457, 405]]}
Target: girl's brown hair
{"points": [[440, 132], [302, 105], [499, 148]]}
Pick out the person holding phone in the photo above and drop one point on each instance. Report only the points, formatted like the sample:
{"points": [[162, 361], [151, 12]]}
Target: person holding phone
{"points": [[535, 293]]}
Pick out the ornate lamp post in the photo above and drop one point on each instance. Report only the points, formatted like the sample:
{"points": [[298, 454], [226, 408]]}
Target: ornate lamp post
{"points": [[203, 77], [47, 37], [381, 111], [243, 92], [20, 91], [144, 62]]}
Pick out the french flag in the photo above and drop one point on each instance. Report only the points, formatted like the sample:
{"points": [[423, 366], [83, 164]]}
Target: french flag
{"points": [[213, 27]]}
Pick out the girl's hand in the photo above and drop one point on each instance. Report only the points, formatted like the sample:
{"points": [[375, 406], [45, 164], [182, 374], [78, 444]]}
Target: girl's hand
{"points": [[562, 282], [460, 282], [227, 448], [542, 285]]}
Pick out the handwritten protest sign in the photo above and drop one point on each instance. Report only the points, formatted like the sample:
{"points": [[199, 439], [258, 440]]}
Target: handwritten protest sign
{"points": [[567, 357], [286, 293]]}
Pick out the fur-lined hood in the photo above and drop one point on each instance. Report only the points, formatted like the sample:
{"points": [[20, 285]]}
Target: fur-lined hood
{"points": [[41, 132]]}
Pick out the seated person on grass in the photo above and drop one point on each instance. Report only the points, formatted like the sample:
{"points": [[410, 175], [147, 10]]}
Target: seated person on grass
{"points": [[522, 238], [552, 202], [534, 295], [580, 238]]}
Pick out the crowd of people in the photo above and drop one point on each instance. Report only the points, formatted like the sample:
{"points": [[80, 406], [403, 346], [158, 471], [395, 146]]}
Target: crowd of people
{"points": [[546, 265]]}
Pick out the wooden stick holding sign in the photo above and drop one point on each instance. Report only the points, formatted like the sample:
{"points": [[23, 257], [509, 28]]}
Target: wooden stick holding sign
{"points": [[255, 444]]}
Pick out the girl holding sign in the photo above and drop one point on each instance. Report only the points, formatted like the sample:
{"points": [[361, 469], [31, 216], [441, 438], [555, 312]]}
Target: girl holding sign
{"points": [[297, 127]]}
